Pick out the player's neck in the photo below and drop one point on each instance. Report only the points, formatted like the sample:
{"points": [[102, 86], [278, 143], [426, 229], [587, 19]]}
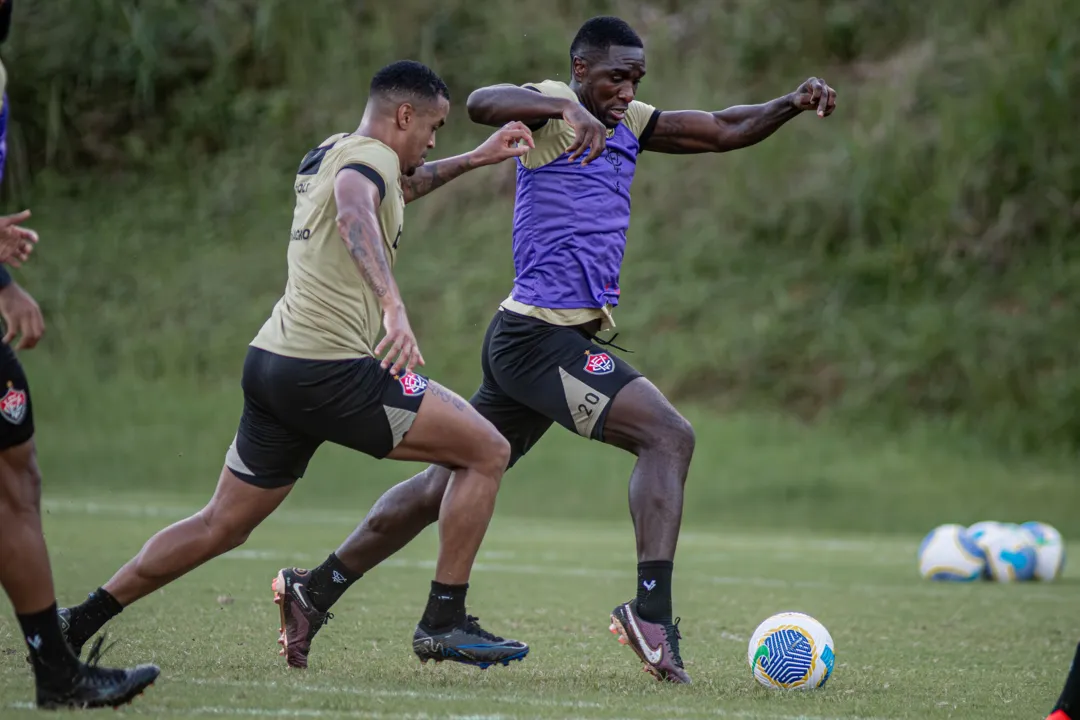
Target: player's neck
{"points": [[376, 130]]}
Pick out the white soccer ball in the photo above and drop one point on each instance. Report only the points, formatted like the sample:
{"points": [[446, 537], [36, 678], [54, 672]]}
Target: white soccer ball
{"points": [[948, 554], [1010, 554], [976, 531], [791, 651], [980, 533], [1049, 550]]}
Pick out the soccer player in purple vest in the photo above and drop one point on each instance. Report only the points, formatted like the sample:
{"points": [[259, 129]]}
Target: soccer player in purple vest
{"points": [[541, 361]]}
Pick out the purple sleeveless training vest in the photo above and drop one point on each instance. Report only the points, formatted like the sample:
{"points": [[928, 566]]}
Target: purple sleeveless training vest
{"points": [[570, 227]]}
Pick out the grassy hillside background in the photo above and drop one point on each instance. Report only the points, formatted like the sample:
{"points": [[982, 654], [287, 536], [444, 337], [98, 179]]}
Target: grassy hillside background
{"points": [[872, 318]]}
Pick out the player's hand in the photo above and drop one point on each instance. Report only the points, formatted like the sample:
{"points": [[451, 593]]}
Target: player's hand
{"points": [[22, 316], [16, 243], [513, 139], [403, 351], [815, 94], [588, 133]]}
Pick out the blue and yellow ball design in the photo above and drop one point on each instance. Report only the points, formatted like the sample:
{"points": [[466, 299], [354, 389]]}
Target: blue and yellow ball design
{"points": [[791, 651]]}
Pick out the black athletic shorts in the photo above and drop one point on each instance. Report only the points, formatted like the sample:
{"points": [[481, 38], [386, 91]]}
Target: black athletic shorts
{"points": [[536, 373], [16, 412], [292, 406]]}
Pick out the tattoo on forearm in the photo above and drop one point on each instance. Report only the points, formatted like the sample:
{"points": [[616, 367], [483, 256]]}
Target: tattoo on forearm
{"points": [[432, 176], [366, 247]]}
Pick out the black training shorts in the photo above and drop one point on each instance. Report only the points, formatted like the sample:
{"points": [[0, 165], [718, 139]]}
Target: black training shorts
{"points": [[292, 406], [16, 412], [536, 373]]}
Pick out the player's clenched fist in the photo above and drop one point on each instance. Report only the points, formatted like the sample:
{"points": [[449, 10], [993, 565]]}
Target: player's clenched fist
{"points": [[513, 139], [16, 243], [589, 133], [815, 94]]}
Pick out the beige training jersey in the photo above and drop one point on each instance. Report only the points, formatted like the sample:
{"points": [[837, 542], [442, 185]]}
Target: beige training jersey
{"points": [[328, 311]]}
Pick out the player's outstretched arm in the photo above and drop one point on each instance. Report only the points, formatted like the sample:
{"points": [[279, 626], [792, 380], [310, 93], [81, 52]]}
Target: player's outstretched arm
{"points": [[511, 140], [498, 104], [357, 202], [695, 131]]}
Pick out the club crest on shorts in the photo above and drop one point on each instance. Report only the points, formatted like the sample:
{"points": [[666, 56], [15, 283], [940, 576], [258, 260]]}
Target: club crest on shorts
{"points": [[412, 384], [599, 364], [13, 405]]}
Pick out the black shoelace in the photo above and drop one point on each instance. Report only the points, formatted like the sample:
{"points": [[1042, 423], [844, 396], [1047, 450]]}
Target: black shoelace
{"points": [[472, 625], [91, 673], [318, 625], [674, 636]]}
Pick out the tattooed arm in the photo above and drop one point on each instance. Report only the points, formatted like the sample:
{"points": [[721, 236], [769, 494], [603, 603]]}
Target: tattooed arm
{"points": [[358, 201], [694, 131], [433, 175], [358, 222], [511, 140]]}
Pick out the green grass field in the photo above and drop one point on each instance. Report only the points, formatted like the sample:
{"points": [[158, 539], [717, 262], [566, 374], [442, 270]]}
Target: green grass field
{"points": [[905, 648]]}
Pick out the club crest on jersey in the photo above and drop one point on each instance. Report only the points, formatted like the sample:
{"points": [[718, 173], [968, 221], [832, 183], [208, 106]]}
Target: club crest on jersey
{"points": [[599, 364], [13, 405], [412, 384]]}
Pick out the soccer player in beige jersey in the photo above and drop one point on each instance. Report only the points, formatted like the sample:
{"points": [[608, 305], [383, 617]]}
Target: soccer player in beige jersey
{"points": [[313, 375]]}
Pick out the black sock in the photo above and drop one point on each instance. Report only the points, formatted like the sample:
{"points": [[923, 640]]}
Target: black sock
{"points": [[654, 590], [88, 618], [53, 661], [445, 606], [1070, 696], [329, 582]]}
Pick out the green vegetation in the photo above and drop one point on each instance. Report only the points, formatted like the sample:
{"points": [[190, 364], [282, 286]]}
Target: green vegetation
{"points": [[905, 649], [908, 265]]}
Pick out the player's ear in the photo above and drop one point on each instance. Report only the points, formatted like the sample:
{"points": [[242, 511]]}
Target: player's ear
{"points": [[406, 113], [579, 67]]}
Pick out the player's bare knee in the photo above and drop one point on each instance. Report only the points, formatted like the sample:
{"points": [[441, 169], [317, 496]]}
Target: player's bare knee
{"points": [[671, 434], [22, 491], [228, 537], [226, 532], [32, 484], [683, 438], [491, 454], [498, 454]]}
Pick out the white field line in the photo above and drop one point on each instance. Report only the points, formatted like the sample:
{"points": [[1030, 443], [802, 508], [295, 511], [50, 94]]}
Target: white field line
{"points": [[308, 517], [934, 591], [647, 711]]}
